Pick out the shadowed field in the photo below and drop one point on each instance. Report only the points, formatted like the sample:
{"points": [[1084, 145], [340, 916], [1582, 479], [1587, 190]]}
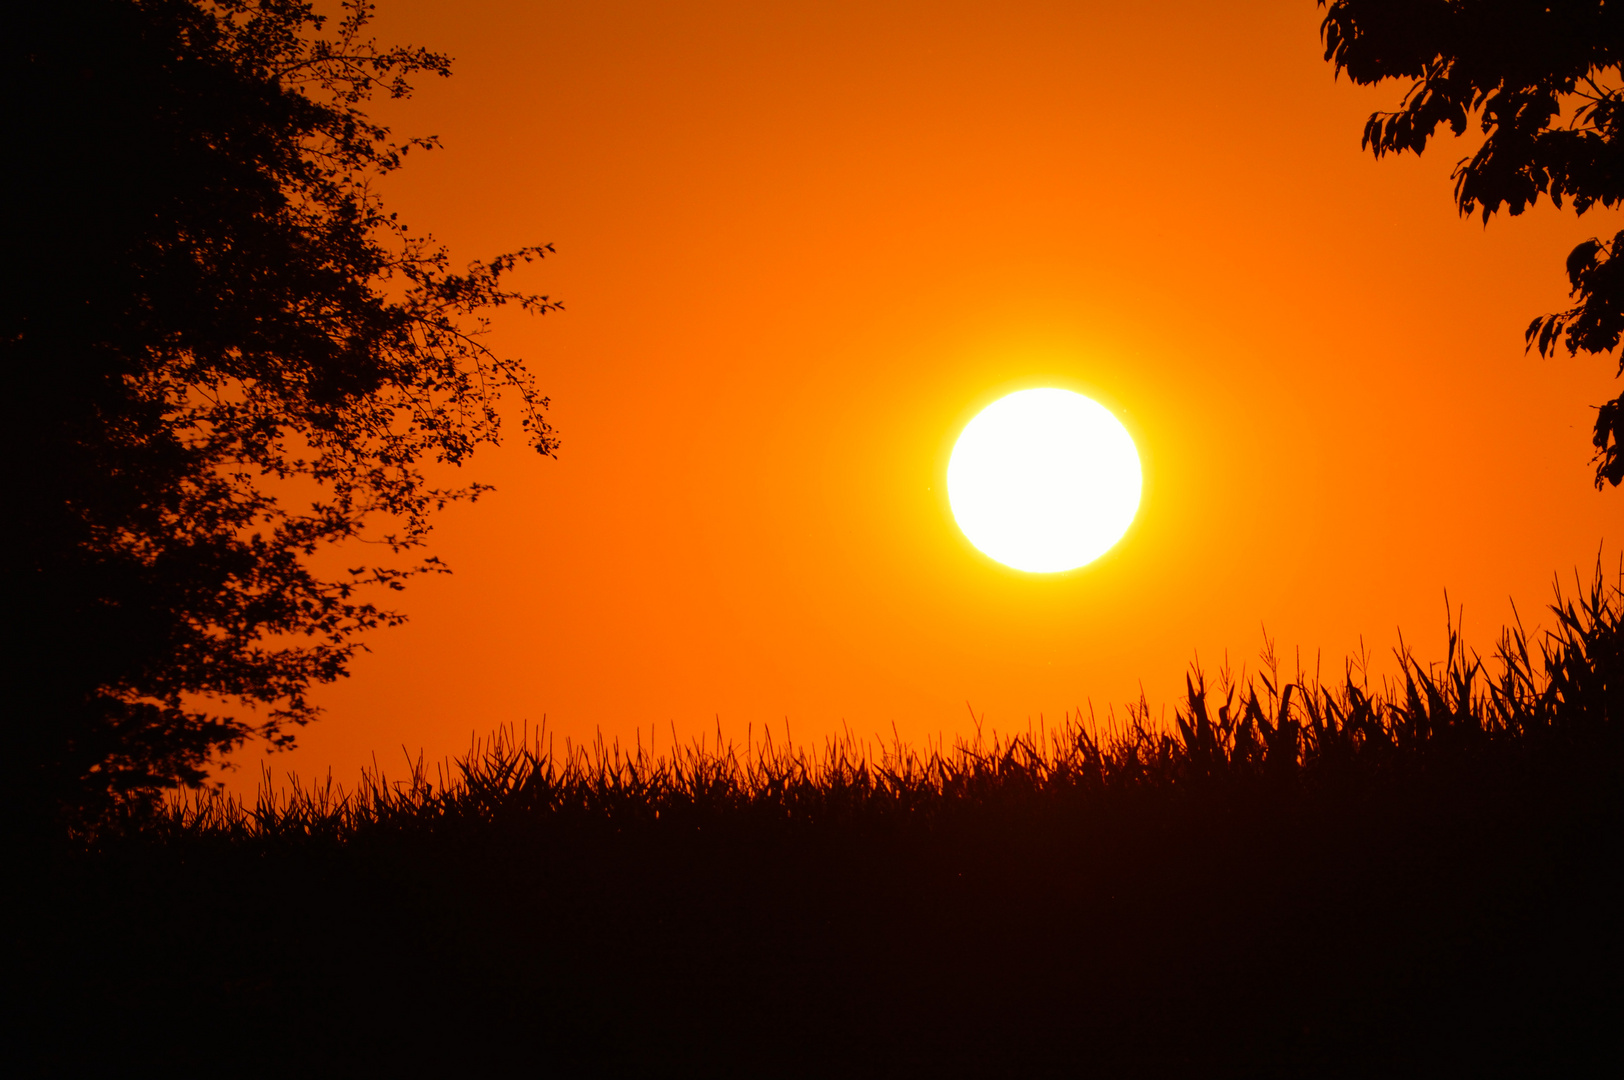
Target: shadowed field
{"points": [[1297, 879]]}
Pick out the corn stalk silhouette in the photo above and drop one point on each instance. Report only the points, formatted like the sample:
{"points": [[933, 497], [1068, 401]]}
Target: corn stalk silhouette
{"points": [[1251, 732]]}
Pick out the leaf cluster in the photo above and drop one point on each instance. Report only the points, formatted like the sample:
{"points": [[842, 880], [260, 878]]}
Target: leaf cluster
{"points": [[224, 356], [1540, 78]]}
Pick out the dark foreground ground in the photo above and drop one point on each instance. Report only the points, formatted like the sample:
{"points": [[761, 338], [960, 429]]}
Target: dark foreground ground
{"points": [[1291, 880], [1463, 919]]}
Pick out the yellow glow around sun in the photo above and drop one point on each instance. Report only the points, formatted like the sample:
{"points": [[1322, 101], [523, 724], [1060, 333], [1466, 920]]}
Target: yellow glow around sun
{"points": [[1044, 480]]}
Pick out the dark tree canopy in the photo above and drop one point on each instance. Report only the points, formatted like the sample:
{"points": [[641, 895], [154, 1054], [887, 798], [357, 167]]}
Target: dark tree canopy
{"points": [[1540, 78], [221, 356]]}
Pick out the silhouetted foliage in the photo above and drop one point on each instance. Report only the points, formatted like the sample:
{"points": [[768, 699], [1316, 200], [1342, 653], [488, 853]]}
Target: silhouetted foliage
{"points": [[1535, 74], [1297, 878], [222, 355], [1258, 733]]}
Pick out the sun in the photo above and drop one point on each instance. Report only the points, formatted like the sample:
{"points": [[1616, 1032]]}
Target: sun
{"points": [[1044, 480]]}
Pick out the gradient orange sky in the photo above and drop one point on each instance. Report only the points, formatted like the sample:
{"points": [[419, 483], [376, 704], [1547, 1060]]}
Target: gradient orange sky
{"points": [[801, 244]]}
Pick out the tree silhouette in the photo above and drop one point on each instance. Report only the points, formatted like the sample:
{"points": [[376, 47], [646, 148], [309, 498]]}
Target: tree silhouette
{"points": [[221, 356], [1534, 74]]}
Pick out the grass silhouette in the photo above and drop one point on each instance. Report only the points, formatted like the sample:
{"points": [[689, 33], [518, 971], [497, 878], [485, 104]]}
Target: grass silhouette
{"points": [[1295, 877]]}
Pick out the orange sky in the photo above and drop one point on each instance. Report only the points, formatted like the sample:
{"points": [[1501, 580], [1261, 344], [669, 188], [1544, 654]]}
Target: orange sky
{"points": [[801, 244]]}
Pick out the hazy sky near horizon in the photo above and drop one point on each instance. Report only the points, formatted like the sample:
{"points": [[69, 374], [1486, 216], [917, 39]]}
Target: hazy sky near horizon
{"points": [[801, 244]]}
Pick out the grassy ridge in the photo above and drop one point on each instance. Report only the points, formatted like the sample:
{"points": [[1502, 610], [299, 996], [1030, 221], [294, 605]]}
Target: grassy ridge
{"points": [[1251, 734], [1298, 878]]}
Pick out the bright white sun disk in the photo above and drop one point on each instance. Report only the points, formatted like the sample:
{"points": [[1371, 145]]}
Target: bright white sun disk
{"points": [[1044, 480]]}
